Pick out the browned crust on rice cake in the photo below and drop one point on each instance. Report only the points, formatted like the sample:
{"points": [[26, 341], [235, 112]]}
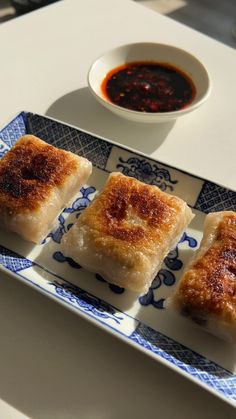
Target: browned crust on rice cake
{"points": [[29, 171], [210, 285], [129, 212]]}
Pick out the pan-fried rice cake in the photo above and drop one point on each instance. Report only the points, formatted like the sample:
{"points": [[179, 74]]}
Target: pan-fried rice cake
{"points": [[207, 291], [127, 231], [37, 180]]}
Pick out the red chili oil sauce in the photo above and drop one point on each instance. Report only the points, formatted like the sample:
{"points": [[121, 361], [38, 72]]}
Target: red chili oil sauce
{"points": [[149, 87]]}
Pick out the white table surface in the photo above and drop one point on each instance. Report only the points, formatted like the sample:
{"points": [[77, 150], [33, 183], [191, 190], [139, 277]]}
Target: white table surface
{"points": [[53, 363]]}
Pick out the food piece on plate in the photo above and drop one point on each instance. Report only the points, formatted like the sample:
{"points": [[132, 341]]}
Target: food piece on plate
{"points": [[127, 231], [37, 181], [207, 291]]}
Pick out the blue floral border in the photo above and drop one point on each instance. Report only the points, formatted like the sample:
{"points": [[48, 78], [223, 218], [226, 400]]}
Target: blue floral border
{"points": [[199, 367], [159, 345], [212, 197]]}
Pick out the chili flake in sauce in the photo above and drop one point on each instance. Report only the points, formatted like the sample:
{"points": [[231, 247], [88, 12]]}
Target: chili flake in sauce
{"points": [[149, 87]]}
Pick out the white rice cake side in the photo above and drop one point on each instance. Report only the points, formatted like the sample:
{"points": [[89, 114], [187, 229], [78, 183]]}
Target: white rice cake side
{"points": [[37, 181]]}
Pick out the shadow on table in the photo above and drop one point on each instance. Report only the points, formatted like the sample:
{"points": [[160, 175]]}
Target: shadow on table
{"points": [[79, 108]]}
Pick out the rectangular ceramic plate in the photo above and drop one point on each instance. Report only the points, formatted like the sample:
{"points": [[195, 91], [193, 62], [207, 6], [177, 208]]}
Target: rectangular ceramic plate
{"points": [[143, 321]]}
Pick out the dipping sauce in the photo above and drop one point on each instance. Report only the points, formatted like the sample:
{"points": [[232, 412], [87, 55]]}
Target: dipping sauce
{"points": [[148, 87]]}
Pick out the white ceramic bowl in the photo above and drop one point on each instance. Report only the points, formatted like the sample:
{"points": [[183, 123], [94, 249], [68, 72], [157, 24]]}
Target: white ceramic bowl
{"points": [[177, 57]]}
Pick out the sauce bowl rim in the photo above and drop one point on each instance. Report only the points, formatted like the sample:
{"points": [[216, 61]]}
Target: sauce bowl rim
{"points": [[150, 115]]}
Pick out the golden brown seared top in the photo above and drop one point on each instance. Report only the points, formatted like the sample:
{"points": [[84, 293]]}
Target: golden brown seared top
{"points": [[132, 212], [210, 285], [29, 171]]}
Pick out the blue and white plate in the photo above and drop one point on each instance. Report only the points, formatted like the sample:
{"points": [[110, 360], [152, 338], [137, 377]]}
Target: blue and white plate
{"points": [[142, 322]]}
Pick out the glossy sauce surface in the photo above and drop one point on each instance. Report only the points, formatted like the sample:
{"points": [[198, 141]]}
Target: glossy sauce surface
{"points": [[148, 87]]}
